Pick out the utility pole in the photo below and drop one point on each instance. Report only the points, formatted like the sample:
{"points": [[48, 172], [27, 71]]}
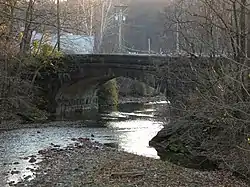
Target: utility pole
{"points": [[120, 17], [120, 31], [149, 45]]}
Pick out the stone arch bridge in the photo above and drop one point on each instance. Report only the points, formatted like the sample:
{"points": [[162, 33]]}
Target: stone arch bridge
{"points": [[82, 72]]}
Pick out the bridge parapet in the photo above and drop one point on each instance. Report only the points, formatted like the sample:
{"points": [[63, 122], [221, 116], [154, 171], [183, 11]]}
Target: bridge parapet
{"points": [[115, 59]]}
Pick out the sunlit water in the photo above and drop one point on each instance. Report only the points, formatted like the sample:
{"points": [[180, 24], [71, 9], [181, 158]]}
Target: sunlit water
{"points": [[129, 130]]}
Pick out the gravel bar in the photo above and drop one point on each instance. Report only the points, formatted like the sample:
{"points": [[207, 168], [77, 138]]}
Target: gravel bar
{"points": [[88, 163]]}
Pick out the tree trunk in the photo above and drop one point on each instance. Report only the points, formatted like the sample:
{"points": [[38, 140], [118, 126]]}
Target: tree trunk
{"points": [[243, 52], [58, 25], [27, 33], [237, 37]]}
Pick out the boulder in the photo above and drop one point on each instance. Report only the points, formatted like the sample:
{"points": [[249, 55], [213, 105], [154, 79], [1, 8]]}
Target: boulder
{"points": [[33, 115], [32, 160], [175, 144]]}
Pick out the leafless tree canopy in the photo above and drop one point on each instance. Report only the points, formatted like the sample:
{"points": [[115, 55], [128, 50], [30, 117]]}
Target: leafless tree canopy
{"points": [[19, 19], [220, 103]]}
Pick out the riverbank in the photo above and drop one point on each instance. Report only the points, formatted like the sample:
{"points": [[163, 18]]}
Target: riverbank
{"points": [[87, 163], [130, 99], [19, 122]]}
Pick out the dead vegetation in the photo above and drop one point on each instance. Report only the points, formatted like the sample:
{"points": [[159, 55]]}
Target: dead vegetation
{"points": [[214, 118]]}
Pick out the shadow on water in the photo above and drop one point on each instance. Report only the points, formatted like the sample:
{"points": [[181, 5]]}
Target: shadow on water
{"points": [[129, 129]]}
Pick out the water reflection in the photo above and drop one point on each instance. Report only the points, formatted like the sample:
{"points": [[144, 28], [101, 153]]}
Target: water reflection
{"points": [[135, 136], [126, 130]]}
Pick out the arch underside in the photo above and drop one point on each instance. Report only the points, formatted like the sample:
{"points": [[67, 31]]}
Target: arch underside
{"points": [[87, 74], [83, 81]]}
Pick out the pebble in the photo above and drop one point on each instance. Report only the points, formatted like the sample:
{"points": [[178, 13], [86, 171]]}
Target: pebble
{"points": [[11, 183], [54, 149], [42, 151], [54, 145], [14, 172], [32, 160], [27, 177]]}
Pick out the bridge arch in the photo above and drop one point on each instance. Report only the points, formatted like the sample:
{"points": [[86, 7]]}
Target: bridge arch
{"points": [[97, 69], [83, 87]]}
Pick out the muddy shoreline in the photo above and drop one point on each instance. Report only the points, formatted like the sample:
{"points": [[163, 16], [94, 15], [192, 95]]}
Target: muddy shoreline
{"points": [[88, 163]]}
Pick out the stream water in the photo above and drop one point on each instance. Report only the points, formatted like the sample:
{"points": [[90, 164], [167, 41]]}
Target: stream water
{"points": [[128, 129]]}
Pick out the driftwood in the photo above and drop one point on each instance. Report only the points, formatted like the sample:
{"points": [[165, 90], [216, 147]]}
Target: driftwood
{"points": [[128, 174]]}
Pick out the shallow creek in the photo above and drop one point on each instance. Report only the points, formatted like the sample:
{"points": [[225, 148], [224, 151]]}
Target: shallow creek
{"points": [[129, 129]]}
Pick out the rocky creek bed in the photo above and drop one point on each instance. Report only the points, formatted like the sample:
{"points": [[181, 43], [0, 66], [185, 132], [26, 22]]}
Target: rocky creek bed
{"points": [[88, 163]]}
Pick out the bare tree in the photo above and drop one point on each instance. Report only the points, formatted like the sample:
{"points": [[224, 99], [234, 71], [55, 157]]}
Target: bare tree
{"points": [[58, 24], [25, 43], [106, 21], [218, 106]]}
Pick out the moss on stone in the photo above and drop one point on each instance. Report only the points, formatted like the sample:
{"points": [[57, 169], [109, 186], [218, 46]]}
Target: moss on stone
{"points": [[108, 96]]}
